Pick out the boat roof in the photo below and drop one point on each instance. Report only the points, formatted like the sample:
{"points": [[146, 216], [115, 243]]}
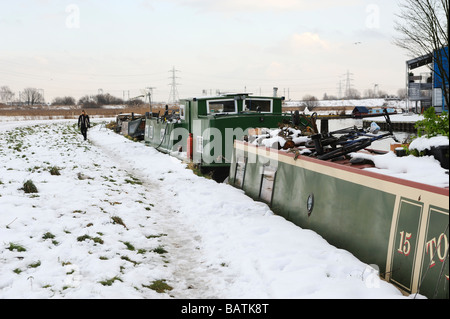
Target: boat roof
{"points": [[366, 166], [231, 95]]}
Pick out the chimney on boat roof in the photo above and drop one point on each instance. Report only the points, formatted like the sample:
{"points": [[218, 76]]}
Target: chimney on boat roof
{"points": [[275, 92]]}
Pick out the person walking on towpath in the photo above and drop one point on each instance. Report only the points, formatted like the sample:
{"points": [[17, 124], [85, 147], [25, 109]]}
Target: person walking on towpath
{"points": [[84, 124]]}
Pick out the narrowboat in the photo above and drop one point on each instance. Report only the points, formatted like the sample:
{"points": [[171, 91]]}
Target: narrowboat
{"points": [[398, 225], [202, 131]]}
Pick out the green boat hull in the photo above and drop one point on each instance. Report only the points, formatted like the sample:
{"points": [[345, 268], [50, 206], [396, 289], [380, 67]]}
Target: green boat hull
{"points": [[399, 226]]}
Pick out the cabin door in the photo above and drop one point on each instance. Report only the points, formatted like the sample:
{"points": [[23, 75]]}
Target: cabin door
{"points": [[418, 250], [405, 243]]}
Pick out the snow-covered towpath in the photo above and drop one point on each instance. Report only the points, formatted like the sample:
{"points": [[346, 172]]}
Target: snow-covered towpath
{"points": [[125, 221]]}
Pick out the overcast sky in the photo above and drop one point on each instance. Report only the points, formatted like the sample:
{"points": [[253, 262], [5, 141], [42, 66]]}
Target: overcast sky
{"points": [[76, 47]]}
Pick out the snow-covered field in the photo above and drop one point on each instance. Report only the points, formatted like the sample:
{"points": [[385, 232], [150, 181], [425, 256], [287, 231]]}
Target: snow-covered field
{"points": [[359, 102], [122, 219]]}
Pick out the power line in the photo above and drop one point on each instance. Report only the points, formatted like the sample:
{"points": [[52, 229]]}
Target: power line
{"points": [[173, 97], [348, 84]]}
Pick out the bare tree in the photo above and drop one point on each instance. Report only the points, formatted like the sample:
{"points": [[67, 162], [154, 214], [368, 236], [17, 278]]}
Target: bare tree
{"points": [[6, 95], [87, 101], [32, 96], [99, 100], [424, 30], [352, 94], [372, 94], [401, 93], [67, 100], [107, 99], [310, 101]]}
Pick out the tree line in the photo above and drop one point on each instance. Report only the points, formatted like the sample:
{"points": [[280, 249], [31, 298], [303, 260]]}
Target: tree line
{"points": [[311, 101], [33, 96], [96, 101], [29, 96]]}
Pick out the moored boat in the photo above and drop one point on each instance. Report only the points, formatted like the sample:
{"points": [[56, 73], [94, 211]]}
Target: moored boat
{"points": [[396, 224], [204, 128]]}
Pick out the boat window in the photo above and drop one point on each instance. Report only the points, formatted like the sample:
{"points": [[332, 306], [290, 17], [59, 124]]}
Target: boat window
{"points": [[199, 144], [149, 132], [241, 163], [222, 106], [258, 105], [182, 110], [268, 181], [163, 132]]}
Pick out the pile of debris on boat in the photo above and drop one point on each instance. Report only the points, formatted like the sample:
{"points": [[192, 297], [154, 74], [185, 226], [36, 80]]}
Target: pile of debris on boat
{"points": [[342, 145], [289, 136], [283, 138], [131, 125]]}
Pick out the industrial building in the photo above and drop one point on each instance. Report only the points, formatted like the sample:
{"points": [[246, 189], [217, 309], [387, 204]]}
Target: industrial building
{"points": [[424, 86]]}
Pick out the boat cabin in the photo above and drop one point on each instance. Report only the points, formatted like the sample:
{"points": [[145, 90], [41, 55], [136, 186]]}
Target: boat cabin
{"points": [[360, 111], [204, 128]]}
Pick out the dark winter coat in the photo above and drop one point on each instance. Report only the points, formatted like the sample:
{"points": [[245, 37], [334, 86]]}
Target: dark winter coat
{"points": [[83, 122]]}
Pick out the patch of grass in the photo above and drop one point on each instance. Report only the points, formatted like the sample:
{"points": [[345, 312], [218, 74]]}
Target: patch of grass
{"points": [[109, 282], [48, 235], [17, 247], [133, 181], [54, 171], [18, 147], [160, 286], [82, 177], [35, 169], [198, 171], [160, 250], [118, 220], [129, 246], [155, 236], [96, 240], [29, 187], [129, 260], [35, 265], [83, 238], [115, 203]]}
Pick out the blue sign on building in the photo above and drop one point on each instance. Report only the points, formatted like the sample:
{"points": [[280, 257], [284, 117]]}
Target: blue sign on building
{"points": [[439, 80]]}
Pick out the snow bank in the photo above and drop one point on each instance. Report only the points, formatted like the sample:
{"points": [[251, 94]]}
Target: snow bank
{"points": [[424, 169], [425, 143], [219, 243], [359, 102]]}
